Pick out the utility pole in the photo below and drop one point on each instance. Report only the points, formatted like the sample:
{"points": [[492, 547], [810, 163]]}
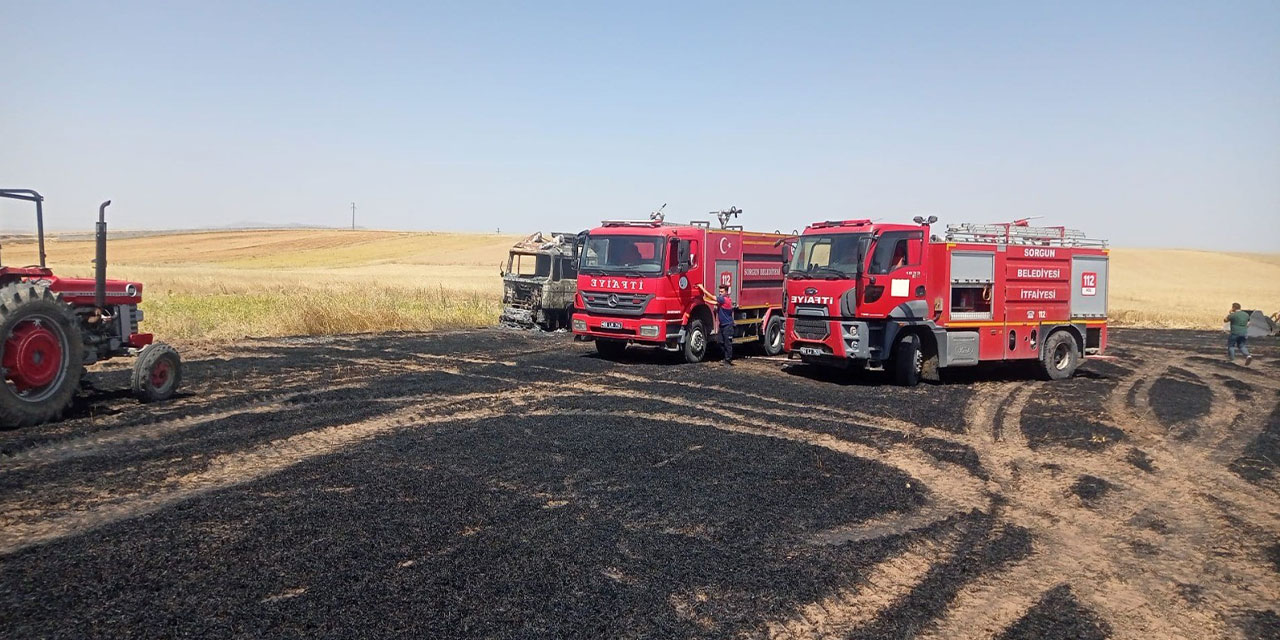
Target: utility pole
{"points": [[353, 216]]}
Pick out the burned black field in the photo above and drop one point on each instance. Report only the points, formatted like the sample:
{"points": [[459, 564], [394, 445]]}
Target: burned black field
{"points": [[501, 484]]}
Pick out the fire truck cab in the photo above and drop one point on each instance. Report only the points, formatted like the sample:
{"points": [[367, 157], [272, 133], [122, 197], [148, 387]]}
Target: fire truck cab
{"points": [[894, 296], [638, 284]]}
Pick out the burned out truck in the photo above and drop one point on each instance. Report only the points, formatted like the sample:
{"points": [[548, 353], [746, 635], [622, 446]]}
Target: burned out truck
{"points": [[539, 281]]}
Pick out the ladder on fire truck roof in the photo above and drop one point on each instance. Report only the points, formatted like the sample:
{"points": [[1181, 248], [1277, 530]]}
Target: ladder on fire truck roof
{"points": [[1020, 233]]}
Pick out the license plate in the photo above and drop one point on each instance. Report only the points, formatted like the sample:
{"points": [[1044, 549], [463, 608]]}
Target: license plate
{"points": [[610, 324], [811, 351]]}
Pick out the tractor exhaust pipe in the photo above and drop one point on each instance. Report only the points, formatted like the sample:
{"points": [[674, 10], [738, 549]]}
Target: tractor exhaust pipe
{"points": [[100, 261]]}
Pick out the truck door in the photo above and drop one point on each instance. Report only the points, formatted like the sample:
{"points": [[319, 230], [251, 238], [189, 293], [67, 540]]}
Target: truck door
{"points": [[896, 266]]}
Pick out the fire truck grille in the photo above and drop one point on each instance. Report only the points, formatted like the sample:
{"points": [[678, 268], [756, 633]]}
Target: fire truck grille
{"points": [[811, 328], [622, 304]]}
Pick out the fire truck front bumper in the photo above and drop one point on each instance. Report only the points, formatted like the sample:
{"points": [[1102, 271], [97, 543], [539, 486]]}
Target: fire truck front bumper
{"points": [[651, 331], [822, 339]]}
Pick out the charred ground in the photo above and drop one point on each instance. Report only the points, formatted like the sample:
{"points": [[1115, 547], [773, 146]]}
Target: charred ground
{"points": [[507, 484]]}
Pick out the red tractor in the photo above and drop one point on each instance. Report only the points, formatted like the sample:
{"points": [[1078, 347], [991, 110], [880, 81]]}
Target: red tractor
{"points": [[52, 327]]}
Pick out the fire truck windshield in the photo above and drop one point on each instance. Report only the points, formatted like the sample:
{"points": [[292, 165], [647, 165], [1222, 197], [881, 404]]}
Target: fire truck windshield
{"points": [[827, 256], [621, 255]]}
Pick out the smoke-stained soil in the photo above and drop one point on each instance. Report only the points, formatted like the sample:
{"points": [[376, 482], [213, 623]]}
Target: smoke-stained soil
{"points": [[504, 484]]}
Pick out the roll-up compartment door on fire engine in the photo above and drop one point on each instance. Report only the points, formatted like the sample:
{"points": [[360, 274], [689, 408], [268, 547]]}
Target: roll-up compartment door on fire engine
{"points": [[727, 273], [1089, 280]]}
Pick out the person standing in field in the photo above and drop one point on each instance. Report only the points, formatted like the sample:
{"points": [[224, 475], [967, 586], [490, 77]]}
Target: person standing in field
{"points": [[724, 317], [1239, 326]]}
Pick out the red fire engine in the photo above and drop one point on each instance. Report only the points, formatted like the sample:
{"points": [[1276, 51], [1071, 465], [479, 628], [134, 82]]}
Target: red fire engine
{"points": [[894, 296], [638, 283]]}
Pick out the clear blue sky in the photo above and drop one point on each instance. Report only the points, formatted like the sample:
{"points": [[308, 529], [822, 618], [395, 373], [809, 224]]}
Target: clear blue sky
{"points": [[1149, 123]]}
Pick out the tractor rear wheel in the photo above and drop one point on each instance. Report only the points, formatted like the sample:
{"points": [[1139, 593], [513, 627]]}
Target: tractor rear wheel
{"points": [[611, 349], [1059, 357], [771, 340], [41, 355], [156, 373]]}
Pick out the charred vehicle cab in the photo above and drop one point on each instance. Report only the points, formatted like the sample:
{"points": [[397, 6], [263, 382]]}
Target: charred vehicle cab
{"points": [[638, 284], [539, 280], [894, 296]]}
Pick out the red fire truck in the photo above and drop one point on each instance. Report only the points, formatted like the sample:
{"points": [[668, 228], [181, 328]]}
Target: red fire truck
{"points": [[638, 284], [894, 296]]}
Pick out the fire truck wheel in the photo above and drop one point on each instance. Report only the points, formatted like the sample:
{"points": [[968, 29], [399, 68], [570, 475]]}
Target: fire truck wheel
{"points": [[41, 355], [771, 341], [611, 349], [907, 361], [156, 373], [1059, 357], [695, 342]]}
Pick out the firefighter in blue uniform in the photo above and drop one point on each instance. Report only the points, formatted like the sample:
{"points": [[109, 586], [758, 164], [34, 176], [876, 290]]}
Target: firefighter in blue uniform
{"points": [[724, 317]]}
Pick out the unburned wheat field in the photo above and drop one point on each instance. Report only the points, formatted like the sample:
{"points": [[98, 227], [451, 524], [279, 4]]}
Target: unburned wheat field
{"points": [[507, 484]]}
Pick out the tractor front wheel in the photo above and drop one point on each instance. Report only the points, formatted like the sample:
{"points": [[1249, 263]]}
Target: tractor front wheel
{"points": [[156, 373], [41, 355]]}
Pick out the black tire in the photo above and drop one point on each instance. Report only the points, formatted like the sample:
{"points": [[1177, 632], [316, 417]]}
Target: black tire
{"points": [[1059, 356], [611, 349], [907, 361], [695, 342], [25, 306], [771, 341], [157, 373]]}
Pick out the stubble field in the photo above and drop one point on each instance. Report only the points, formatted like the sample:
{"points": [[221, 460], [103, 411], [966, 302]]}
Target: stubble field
{"points": [[504, 484]]}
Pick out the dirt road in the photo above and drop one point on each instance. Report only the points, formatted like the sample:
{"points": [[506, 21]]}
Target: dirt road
{"points": [[500, 484]]}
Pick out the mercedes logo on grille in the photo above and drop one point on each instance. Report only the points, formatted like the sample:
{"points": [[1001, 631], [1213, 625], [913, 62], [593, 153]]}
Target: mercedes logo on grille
{"points": [[613, 300]]}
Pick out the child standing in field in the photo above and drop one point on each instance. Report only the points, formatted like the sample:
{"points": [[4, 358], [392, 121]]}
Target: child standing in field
{"points": [[1239, 321]]}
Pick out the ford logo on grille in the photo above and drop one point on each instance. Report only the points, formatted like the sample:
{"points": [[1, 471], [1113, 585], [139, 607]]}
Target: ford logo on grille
{"points": [[613, 300], [810, 291]]}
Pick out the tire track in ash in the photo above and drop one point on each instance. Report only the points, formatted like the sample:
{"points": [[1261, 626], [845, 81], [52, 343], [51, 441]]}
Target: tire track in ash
{"points": [[103, 441], [24, 521], [227, 470], [1082, 547], [852, 607], [720, 391]]}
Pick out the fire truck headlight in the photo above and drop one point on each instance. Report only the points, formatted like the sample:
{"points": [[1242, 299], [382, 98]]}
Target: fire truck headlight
{"points": [[649, 330], [579, 324]]}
